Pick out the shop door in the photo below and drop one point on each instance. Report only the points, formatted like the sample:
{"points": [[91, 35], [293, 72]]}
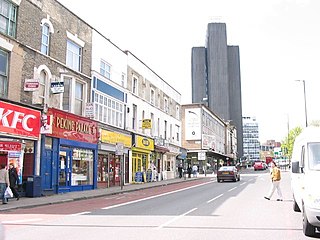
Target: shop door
{"points": [[47, 169], [65, 170]]}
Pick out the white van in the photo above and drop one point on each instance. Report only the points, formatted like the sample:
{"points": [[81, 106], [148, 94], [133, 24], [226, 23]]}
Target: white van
{"points": [[305, 178]]}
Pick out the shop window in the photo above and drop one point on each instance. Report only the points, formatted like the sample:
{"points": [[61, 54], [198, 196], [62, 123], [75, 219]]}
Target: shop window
{"points": [[82, 167]]}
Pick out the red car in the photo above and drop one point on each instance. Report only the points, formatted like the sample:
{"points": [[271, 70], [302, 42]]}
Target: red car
{"points": [[259, 166]]}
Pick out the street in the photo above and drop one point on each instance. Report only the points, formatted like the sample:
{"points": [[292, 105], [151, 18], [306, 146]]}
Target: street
{"points": [[199, 210]]}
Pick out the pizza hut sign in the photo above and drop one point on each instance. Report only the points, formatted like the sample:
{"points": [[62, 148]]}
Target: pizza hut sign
{"points": [[19, 121]]}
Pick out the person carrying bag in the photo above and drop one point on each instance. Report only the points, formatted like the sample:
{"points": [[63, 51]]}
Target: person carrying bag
{"points": [[4, 183], [13, 178]]}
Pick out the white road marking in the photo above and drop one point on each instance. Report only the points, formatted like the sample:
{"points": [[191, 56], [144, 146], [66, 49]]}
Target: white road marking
{"points": [[80, 213], [243, 183], [155, 196], [23, 220], [214, 198], [175, 218], [232, 189]]}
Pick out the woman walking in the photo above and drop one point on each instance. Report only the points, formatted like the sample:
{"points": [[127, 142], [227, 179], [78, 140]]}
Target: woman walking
{"points": [[13, 178], [275, 178]]}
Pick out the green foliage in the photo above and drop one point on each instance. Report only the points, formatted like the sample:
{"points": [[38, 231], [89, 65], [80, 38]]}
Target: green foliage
{"points": [[288, 142]]}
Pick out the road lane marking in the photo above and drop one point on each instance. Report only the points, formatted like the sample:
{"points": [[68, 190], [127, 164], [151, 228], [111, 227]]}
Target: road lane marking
{"points": [[155, 196], [22, 220], [232, 189], [80, 213], [175, 218], [243, 183], [215, 198]]}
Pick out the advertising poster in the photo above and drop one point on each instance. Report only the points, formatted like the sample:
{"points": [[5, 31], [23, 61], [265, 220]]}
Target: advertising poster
{"points": [[16, 157]]}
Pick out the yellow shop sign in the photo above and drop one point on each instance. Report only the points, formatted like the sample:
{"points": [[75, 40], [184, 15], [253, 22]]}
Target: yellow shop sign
{"points": [[144, 143], [114, 138]]}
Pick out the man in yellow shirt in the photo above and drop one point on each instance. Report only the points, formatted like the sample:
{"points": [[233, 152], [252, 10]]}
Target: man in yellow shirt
{"points": [[275, 177]]}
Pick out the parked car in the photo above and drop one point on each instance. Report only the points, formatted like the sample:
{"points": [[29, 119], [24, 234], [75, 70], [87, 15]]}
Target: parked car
{"points": [[259, 166], [305, 178], [228, 173]]}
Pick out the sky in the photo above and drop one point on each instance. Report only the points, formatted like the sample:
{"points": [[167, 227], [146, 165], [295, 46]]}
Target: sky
{"points": [[279, 42]]}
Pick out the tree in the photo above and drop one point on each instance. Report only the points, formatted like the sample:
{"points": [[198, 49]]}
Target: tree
{"points": [[288, 142]]}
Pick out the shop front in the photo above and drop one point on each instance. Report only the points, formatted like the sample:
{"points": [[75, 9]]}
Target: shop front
{"points": [[110, 160], [69, 153], [19, 138], [142, 168], [160, 148], [170, 164]]}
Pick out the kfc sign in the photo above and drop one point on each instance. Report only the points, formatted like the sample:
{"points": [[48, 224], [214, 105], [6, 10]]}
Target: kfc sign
{"points": [[20, 121]]}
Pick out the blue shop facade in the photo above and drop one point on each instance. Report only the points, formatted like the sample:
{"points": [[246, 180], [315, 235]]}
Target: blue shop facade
{"points": [[69, 153]]}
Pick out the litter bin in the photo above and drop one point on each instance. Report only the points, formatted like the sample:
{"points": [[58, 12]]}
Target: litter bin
{"points": [[33, 186]]}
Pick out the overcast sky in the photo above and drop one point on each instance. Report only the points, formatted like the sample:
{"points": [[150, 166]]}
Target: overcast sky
{"points": [[279, 42]]}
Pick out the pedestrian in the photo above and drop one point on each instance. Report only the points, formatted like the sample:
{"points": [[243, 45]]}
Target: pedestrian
{"points": [[13, 178], [189, 169], [180, 170], [195, 170], [4, 182], [275, 178]]}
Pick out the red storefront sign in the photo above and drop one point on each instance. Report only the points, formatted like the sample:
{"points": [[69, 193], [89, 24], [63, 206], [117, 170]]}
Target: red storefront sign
{"points": [[19, 121], [10, 146], [73, 127]]}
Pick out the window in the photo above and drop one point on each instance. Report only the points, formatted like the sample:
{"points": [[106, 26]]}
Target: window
{"points": [[123, 75], [152, 97], [66, 94], [314, 156], [79, 98], [178, 133], [4, 73], [166, 105], [42, 87], [143, 115], [165, 129], [177, 112], [74, 95], [73, 56], [134, 85], [8, 18], [45, 39], [134, 116], [105, 69], [152, 124]]}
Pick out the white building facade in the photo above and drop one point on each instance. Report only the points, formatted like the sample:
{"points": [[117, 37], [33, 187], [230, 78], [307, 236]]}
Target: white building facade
{"points": [[251, 143], [109, 101], [153, 116]]}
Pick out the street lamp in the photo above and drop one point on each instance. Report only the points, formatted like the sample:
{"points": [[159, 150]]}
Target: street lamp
{"points": [[305, 101]]}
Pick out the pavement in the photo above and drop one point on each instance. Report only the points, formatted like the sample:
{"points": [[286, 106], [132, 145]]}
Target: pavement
{"points": [[27, 202]]}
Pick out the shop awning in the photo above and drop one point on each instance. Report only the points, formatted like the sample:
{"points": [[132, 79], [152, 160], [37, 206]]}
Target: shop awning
{"points": [[161, 149]]}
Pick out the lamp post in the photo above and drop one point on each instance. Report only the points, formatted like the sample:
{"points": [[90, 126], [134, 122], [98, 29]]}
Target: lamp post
{"points": [[305, 101]]}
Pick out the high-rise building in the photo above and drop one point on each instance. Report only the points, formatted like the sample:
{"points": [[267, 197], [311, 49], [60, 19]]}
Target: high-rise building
{"points": [[216, 78], [251, 144]]}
